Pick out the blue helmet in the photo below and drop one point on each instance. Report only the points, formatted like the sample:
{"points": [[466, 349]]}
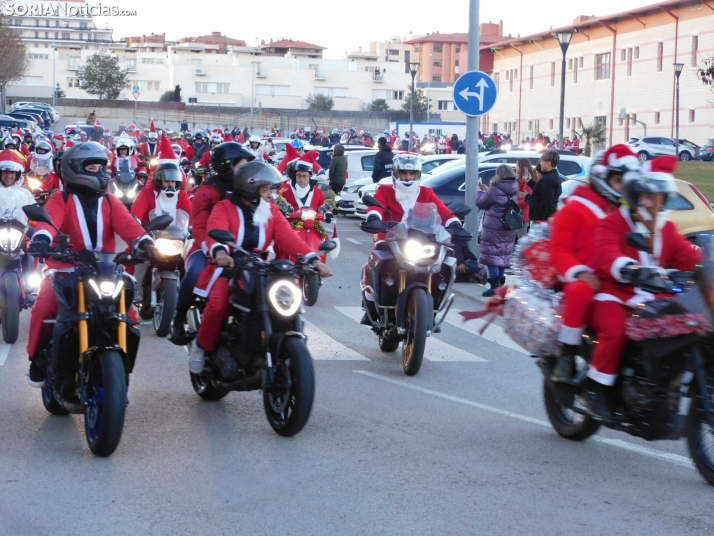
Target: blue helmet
{"points": [[298, 144]]}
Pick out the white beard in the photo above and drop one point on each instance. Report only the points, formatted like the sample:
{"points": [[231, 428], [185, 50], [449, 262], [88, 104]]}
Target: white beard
{"points": [[262, 213], [167, 205], [301, 192], [406, 194]]}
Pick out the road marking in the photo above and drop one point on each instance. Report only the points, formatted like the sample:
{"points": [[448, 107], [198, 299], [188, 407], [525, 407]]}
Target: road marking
{"points": [[493, 332], [324, 348], [4, 351], [435, 350], [354, 241], [644, 451]]}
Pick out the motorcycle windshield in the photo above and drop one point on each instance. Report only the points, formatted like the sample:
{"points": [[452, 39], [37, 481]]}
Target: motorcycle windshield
{"points": [[11, 202], [423, 217]]}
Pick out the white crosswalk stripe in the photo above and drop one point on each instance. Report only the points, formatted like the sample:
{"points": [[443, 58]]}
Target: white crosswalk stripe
{"points": [[325, 348], [493, 332], [436, 350]]}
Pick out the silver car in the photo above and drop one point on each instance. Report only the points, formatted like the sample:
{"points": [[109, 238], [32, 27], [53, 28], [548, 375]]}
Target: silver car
{"points": [[650, 147]]}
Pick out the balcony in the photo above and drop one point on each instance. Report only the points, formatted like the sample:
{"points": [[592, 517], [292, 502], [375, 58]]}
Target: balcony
{"points": [[319, 76], [200, 72], [260, 74], [378, 76]]}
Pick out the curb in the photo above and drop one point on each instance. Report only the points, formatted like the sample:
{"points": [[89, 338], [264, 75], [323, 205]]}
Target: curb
{"points": [[458, 292]]}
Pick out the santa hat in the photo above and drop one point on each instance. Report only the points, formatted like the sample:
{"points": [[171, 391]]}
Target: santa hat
{"points": [[152, 128], [166, 152], [10, 159], [661, 168], [620, 155]]}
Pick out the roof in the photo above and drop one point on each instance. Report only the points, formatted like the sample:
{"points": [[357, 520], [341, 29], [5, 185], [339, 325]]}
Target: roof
{"points": [[289, 43], [461, 38], [216, 39], [590, 21]]}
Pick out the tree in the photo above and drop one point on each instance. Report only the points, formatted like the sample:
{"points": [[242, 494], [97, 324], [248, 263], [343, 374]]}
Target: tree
{"points": [[380, 105], [705, 73], [172, 95], [421, 104], [59, 92], [14, 61], [320, 102], [102, 76], [593, 134]]}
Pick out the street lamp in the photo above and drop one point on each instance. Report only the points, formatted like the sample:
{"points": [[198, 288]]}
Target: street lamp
{"points": [[54, 73], [413, 67], [677, 71], [428, 92], [564, 38]]}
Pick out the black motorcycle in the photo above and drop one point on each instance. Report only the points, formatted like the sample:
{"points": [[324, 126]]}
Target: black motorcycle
{"points": [[263, 345], [126, 184], [94, 344], [410, 276], [665, 386]]}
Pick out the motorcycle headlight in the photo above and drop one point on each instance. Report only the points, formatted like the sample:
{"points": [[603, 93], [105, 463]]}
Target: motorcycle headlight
{"points": [[106, 289], [154, 162], [169, 247], [131, 194], [10, 238], [34, 183], [285, 297], [308, 214], [416, 251], [34, 280]]}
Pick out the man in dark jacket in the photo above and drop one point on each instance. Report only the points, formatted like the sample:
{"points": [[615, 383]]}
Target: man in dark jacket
{"points": [[546, 191], [338, 169], [382, 160]]}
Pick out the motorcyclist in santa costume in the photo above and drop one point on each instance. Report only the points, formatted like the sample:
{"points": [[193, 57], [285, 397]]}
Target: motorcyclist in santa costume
{"points": [[256, 222], [299, 190], [123, 152], [54, 179], [398, 198], [225, 160], [642, 211], [149, 148], [573, 248], [91, 217], [215, 141]]}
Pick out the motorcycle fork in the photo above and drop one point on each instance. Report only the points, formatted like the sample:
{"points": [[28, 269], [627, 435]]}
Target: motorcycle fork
{"points": [[701, 373], [267, 332], [83, 328]]}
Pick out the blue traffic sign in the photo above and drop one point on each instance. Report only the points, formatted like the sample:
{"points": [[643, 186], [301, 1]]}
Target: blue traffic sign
{"points": [[475, 93]]}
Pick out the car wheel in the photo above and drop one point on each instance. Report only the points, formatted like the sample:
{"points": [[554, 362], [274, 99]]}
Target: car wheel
{"points": [[643, 156], [684, 156]]}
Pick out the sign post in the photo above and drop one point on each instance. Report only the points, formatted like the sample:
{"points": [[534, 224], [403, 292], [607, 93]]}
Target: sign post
{"points": [[135, 91]]}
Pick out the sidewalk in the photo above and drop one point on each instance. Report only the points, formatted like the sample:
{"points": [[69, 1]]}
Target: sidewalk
{"points": [[471, 291]]}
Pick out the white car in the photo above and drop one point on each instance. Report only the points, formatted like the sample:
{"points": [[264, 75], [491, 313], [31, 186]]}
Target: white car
{"points": [[435, 161], [350, 195], [369, 189], [649, 147], [571, 166]]}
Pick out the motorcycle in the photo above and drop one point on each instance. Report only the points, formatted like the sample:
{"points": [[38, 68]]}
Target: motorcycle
{"points": [[263, 345], [94, 344], [665, 389], [410, 275], [160, 286], [19, 285], [126, 184]]}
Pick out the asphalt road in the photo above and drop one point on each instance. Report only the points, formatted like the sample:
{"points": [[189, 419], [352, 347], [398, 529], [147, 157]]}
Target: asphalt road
{"points": [[462, 448]]}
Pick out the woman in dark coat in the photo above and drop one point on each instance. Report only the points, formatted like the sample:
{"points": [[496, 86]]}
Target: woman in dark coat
{"points": [[497, 242], [338, 168]]}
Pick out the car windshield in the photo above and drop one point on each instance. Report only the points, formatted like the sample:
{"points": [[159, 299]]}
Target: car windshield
{"points": [[422, 217], [709, 143]]}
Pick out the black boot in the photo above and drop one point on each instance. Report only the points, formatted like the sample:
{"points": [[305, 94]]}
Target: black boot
{"points": [[369, 306], [597, 400], [564, 369], [503, 280], [178, 331], [494, 284]]}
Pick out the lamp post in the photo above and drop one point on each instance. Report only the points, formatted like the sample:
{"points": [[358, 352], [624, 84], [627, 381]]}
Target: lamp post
{"points": [[428, 92], [677, 71], [413, 67], [54, 73], [564, 38]]}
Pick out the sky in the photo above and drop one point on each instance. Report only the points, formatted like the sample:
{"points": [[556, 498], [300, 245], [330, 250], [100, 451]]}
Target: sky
{"points": [[344, 26]]}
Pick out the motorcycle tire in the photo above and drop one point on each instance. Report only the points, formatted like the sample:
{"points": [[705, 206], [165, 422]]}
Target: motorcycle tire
{"points": [[310, 288], [417, 321], [576, 428], [166, 299], [288, 412], [104, 416], [205, 388], [11, 311], [697, 427], [51, 404], [388, 345]]}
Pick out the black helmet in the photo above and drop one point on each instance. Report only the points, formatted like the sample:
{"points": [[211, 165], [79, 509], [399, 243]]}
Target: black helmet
{"points": [[298, 165], [168, 172], [57, 162], [225, 156], [248, 180], [198, 136], [83, 154]]}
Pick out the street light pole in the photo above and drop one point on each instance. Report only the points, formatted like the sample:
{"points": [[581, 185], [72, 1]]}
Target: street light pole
{"points": [[54, 73], [472, 127], [677, 71], [413, 66], [428, 93], [564, 38]]}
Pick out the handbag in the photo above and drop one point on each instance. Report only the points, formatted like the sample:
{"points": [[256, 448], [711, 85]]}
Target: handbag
{"points": [[513, 217]]}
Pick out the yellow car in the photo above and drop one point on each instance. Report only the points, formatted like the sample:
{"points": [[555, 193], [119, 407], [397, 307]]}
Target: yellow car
{"points": [[690, 210]]}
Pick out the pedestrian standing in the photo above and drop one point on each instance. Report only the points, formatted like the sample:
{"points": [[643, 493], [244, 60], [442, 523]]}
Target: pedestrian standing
{"points": [[338, 169], [524, 174], [546, 190]]}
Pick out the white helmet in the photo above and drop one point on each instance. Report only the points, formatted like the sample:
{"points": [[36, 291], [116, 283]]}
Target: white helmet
{"points": [[216, 138], [254, 139]]}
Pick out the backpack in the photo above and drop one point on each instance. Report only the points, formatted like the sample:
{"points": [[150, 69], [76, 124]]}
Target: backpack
{"points": [[513, 217]]}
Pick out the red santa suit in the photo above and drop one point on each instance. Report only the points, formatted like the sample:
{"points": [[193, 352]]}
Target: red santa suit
{"points": [[52, 182], [613, 303], [151, 203], [291, 154], [183, 143], [230, 217], [314, 199], [572, 250], [204, 199], [386, 195], [67, 214], [205, 159], [114, 164], [148, 149]]}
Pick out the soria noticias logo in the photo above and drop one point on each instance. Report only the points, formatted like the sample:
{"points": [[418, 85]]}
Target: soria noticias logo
{"points": [[63, 9]]}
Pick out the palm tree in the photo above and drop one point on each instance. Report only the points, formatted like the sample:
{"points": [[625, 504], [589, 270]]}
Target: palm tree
{"points": [[593, 134]]}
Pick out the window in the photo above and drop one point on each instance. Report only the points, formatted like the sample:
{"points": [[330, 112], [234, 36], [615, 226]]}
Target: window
{"points": [[39, 56], [623, 54], [530, 78], [497, 79], [660, 54], [633, 119], [656, 118], [678, 202], [211, 87], [458, 48], [575, 71], [396, 95], [81, 36], [147, 85], [418, 48], [637, 53], [536, 125], [393, 52], [83, 26], [65, 35], [436, 78], [551, 124], [570, 64], [552, 73], [691, 116], [567, 122], [695, 47], [72, 82], [17, 22], [436, 63], [602, 66], [151, 61], [196, 62], [530, 125], [436, 48], [446, 105], [581, 61], [74, 62], [37, 22], [368, 163], [696, 4], [337, 92], [629, 62], [131, 64], [456, 63], [264, 89], [47, 35], [47, 22], [37, 35]]}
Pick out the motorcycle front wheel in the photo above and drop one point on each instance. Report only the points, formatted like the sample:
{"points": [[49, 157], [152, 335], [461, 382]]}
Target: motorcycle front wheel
{"points": [[166, 297], [416, 325], [11, 309], [205, 389], [700, 439], [104, 416], [288, 406], [310, 288], [565, 421]]}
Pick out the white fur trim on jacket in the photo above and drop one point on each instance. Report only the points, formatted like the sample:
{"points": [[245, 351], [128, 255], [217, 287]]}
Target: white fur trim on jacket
{"points": [[618, 265], [572, 274]]}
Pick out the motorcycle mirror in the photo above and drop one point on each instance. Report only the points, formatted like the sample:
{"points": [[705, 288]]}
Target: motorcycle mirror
{"points": [[462, 211], [37, 213], [372, 202], [222, 236], [159, 224], [271, 153], [459, 233], [328, 245], [637, 241]]}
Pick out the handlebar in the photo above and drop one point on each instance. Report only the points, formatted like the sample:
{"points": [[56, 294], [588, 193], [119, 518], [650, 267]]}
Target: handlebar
{"points": [[655, 279]]}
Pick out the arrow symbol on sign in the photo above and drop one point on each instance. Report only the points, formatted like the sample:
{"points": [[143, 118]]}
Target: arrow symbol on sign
{"points": [[481, 85]]}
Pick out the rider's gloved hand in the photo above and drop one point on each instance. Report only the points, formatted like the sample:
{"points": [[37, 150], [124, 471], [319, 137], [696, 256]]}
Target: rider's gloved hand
{"points": [[328, 217], [144, 249], [40, 245], [372, 217], [453, 225], [631, 272]]}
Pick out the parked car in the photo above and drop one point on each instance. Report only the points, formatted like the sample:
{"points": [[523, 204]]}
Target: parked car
{"points": [[691, 212], [650, 147], [693, 146], [6, 121], [350, 195], [41, 105], [435, 161], [706, 153], [571, 165]]}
